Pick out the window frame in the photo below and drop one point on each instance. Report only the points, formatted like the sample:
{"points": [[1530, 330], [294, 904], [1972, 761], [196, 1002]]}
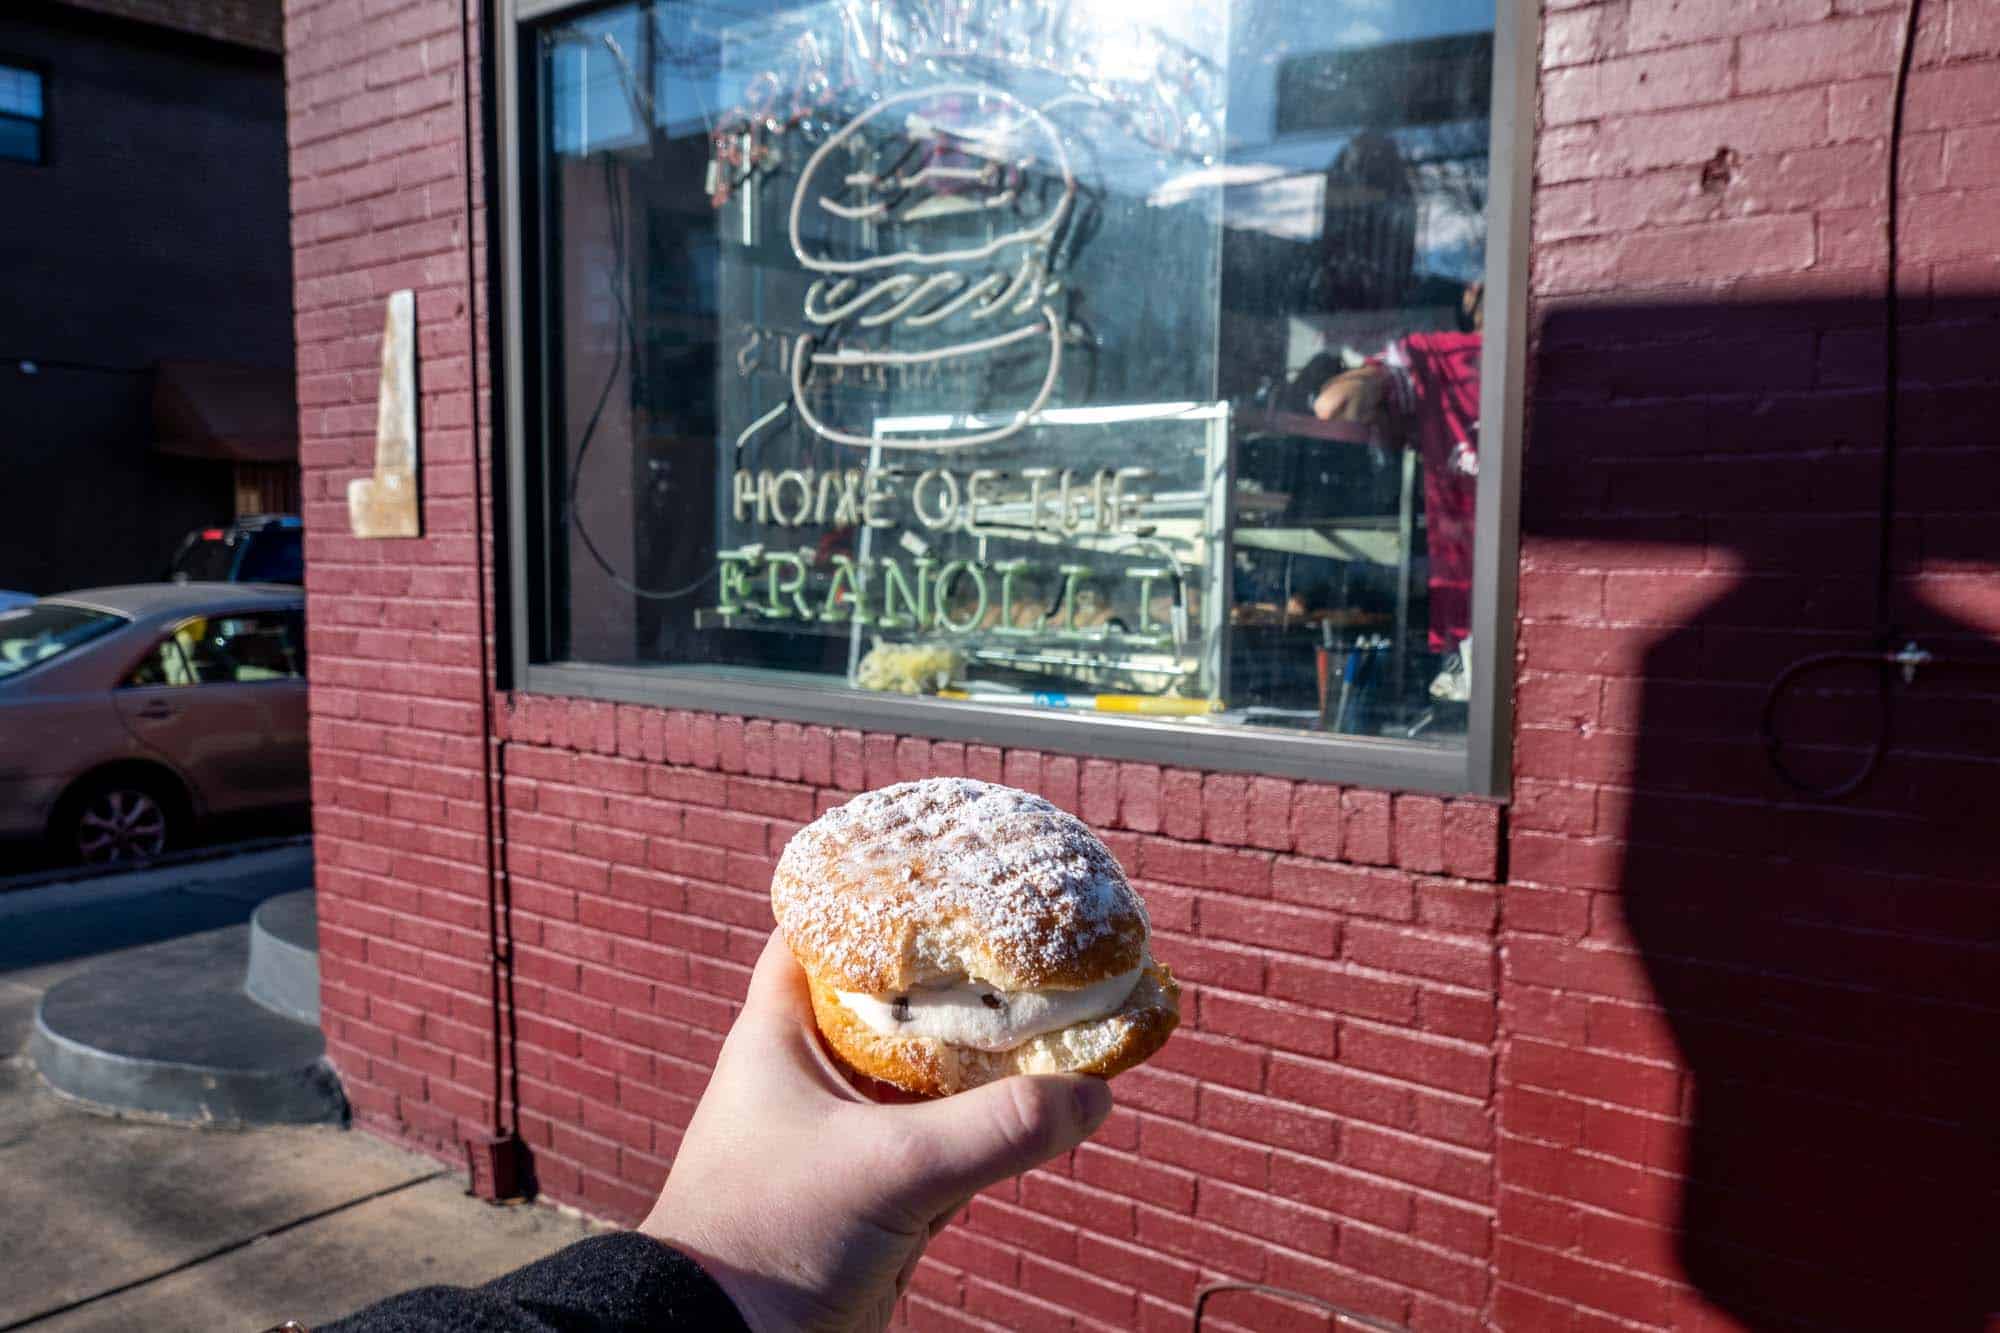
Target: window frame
{"points": [[41, 122], [1481, 768]]}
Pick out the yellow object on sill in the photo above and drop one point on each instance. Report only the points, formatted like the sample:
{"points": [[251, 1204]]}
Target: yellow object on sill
{"points": [[1152, 705]]}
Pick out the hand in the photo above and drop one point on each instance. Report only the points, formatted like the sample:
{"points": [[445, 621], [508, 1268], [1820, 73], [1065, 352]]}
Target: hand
{"points": [[811, 1205], [1352, 395], [1473, 303]]}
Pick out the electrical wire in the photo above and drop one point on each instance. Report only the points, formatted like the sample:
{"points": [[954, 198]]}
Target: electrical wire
{"points": [[1767, 726], [1884, 657], [614, 197], [620, 272], [1892, 337]]}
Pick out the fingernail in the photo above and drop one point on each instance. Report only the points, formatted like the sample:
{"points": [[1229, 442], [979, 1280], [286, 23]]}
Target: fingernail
{"points": [[1093, 1101]]}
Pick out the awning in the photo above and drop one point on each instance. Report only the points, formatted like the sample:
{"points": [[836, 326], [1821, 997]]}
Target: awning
{"points": [[225, 411]]}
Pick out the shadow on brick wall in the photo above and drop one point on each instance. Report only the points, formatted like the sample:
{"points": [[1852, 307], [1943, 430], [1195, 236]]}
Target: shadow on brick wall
{"points": [[1700, 512]]}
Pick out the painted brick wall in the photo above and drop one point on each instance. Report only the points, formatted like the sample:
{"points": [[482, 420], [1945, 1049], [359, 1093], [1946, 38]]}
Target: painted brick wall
{"points": [[1622, 1089], [1323, 1121], [1739, 1086], [1310, 921], [376, 106]]}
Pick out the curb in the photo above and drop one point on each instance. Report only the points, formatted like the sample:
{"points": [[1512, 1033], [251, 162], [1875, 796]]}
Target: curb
{"points": [[24, 895]]}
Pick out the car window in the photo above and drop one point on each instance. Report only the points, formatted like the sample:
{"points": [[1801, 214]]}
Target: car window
{"points": [[209, 558], [167, 664], [227, 650], [276, 555], [295, 629], [40, 631], [257, 646]]}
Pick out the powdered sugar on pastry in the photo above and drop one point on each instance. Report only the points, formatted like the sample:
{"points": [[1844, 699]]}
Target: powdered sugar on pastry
{"points": [[952, 880]]}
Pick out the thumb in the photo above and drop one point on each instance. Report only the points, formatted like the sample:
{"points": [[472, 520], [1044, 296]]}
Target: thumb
{"points": [[777, 985], [957, 1146]]}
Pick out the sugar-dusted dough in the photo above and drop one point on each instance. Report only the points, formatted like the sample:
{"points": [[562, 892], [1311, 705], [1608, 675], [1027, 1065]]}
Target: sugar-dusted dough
{"points": [[948, 881]]}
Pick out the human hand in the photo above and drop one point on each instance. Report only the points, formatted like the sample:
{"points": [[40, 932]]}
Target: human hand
{"points": [[811, 1205], [1352, 395]]}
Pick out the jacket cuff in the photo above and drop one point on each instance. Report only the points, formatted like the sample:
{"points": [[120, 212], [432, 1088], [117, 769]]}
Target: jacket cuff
{"points": [[624, 1280]]}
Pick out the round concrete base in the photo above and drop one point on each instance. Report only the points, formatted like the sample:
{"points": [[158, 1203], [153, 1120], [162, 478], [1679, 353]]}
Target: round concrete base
{"points": [[168, 1030], [284, 957]]}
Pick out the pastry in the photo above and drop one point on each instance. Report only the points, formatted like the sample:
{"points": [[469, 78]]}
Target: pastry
{"points": [[955, 932]]}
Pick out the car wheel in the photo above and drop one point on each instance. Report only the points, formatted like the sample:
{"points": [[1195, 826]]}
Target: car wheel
{"points": [[118, 819]]}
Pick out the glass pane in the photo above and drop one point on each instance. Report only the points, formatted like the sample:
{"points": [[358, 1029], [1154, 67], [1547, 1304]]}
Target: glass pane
{"points": [[227, 650], [198, 659], [275, 555], [295, 640], [43, 630], [1064, 355], [206, 559], [165, 665], [20, 92], [20, 140]]}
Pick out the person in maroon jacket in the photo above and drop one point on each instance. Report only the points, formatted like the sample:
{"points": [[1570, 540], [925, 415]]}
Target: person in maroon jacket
{"points": [[793, 1203], [1427, 385]]}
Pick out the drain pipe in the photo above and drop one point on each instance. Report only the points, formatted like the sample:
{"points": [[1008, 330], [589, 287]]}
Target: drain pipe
{"points": [[493, 1158]]}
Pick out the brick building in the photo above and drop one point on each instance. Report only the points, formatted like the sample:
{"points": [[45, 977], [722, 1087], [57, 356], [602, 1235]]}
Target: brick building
{"points": [[1647, 1032], [143, 342]]}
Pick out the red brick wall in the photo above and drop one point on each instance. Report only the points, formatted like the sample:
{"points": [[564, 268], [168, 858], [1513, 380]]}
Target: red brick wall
{"points": [[376, 104], [1623, 1089], [641, 844], [1738, 1026]]}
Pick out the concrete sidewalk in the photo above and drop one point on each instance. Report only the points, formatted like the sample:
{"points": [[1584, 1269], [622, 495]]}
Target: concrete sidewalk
{"points": [[120, 1223]]}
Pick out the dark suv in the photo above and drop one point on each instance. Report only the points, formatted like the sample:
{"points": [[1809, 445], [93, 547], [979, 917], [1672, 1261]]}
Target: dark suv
{"points": [[263, 548]]}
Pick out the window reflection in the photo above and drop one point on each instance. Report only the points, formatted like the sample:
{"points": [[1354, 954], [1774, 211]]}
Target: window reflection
{"points": [[1053, 356], [1354, 256]]}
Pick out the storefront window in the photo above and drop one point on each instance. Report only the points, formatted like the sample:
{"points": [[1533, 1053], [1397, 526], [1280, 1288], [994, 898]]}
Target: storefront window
{"points": [[1013, 355]]}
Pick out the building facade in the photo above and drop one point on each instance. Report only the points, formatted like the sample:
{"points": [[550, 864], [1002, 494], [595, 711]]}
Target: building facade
{"points": [[143, 344], [1569, 823]]}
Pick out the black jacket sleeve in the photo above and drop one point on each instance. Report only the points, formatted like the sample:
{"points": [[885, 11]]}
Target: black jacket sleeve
{"points": [[621, 1283]]}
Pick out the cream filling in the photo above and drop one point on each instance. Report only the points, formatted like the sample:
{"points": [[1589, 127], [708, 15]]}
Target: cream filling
{"points": [[974, 1014]]}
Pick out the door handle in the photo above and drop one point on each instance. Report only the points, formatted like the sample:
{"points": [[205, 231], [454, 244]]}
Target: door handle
{"points": [[156, 710]]}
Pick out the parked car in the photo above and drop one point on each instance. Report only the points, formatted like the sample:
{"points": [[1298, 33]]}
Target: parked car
{"points": [[128, 716], [261, 548]]}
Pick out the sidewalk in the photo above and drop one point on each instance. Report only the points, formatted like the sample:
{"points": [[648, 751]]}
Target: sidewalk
{"points": [[118, 1223]]}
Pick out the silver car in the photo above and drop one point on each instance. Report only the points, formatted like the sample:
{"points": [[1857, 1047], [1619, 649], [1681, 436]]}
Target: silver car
{"points": [[130, 715]]}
